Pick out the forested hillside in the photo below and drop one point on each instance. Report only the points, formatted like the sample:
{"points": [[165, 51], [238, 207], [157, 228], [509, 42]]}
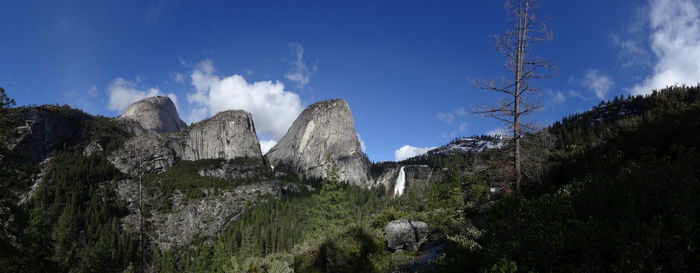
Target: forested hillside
{"points": [[616, 191]]}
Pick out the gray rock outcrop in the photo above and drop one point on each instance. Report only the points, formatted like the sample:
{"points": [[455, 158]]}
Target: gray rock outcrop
{"points": [[227, 135], [324, 129], [157, 114], [407, 235], [236, 169], [93, 148], [147, 153], [201, 217]]}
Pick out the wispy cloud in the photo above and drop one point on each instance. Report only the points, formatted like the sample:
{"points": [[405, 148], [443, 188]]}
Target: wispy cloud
{"points": [[154, 11], [299, 72], [446, 117], [597, 83], [179, 78], [449, 117], [93, 91], [576, 94], [556, 97], [461, 130]]}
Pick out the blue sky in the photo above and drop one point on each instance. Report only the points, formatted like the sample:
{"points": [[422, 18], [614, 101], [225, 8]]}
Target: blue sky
{"points": [[403, 66]]}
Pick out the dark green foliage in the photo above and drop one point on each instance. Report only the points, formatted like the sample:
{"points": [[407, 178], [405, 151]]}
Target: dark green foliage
{"points": [[5, 100], [72, 223], [621, 195], [277, 225], [184, 177], [79, 211]]}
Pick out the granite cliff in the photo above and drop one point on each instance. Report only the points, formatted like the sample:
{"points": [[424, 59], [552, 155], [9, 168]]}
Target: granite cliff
{"points": [[226, 135], [157, 114], [322, 136]]}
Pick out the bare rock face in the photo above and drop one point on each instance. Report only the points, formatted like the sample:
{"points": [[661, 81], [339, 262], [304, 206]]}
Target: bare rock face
{"points": [[147, 153], [45, 130], [190, 218], [324, 129], [93, 148], [228, 135], [157, 114]]}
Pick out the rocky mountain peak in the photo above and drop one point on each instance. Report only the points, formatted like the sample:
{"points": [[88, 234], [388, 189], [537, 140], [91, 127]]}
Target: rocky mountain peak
{"points": [[228, 134], [157, 114], [324, 130]]}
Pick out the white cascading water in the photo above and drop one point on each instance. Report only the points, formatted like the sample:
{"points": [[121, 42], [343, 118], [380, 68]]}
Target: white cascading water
{"points": [[400, 183]]}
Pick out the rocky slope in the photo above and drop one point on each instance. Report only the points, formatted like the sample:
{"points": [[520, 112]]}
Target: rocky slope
{"points": [[228, 135], [470, 145], [157, 114], [323, 134], [189, 218]]}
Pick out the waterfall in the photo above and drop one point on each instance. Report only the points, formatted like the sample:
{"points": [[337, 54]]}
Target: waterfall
{"points": [[400, 184]]}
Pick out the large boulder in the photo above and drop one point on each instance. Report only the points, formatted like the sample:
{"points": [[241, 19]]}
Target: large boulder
{"points": [[323, 134], [157, 114], [407, 235]]}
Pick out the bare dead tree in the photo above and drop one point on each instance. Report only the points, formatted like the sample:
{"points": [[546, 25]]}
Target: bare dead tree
{"points": [[518, 95]]}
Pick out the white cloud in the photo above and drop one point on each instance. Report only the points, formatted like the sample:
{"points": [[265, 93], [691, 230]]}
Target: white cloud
{"points": [[461, 130], [461, 112], [674, 27], [123, 93], [597, 83], [266, 145], [93, 91], [299, 73], [273, 108], [408, 151], [449, 117], [363, 147], [446, 117], [155, 11], [463, 127], [631, 53], [557, 97], [179, 78]]}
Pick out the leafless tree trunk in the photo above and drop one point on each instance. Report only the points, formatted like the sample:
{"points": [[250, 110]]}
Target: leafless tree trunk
{"points": [[515, 46]]}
